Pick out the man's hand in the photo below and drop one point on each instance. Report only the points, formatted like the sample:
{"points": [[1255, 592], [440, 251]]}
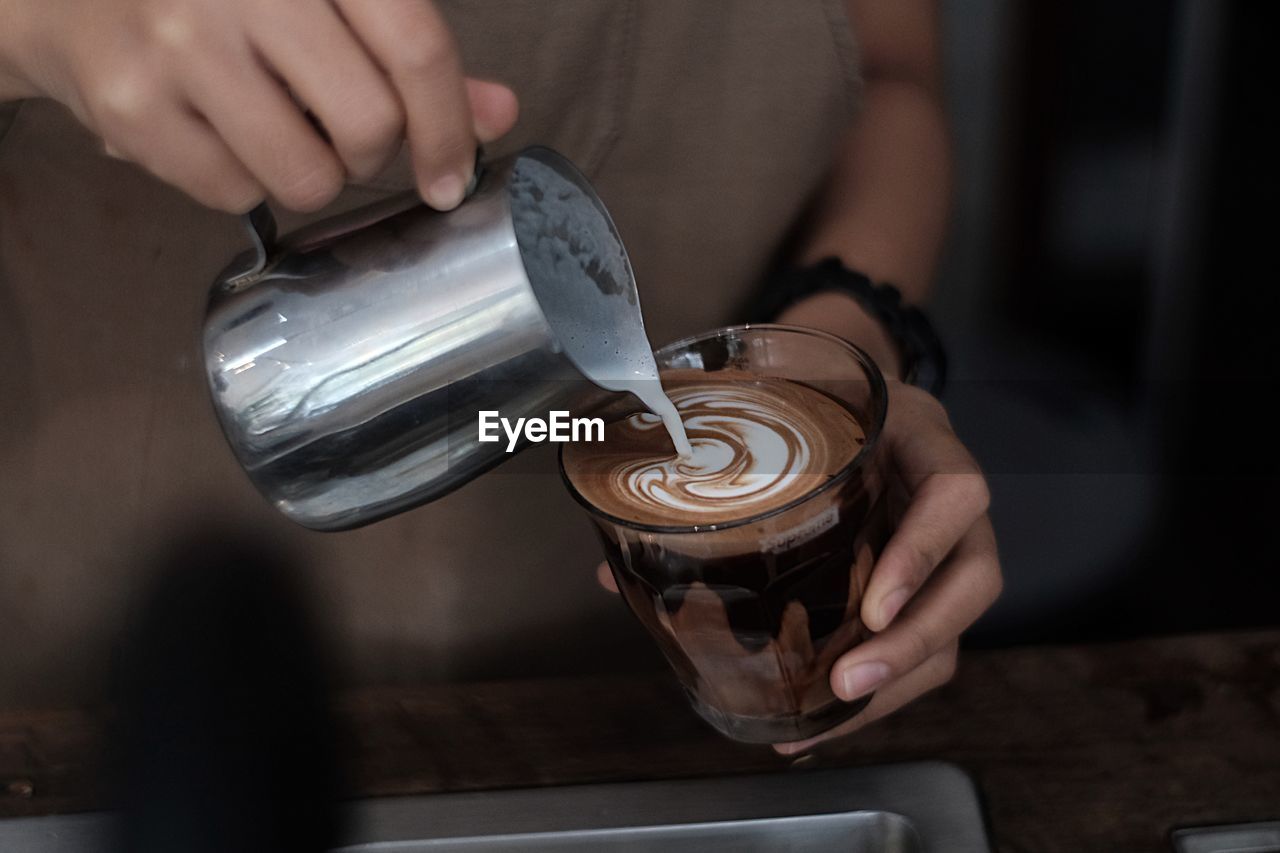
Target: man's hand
{"points": [[231, 100], [938, 573]]}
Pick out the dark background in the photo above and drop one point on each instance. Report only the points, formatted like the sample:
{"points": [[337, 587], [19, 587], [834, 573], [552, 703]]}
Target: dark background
{"points": [[1109, 300]]}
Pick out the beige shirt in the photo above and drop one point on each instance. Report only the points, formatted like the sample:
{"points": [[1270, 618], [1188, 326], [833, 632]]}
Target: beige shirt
{"points": [[704, 126]]}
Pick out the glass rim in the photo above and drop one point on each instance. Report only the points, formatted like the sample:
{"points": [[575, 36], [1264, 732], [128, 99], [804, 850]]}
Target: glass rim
{"points": [[879, 396]]}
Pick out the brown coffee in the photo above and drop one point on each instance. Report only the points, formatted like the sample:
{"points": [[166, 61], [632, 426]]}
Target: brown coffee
{"points": [[754, 602], [758, 443]]}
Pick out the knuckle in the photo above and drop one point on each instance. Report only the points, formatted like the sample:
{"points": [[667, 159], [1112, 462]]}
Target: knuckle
{"points": [[126, 96], [967, 489], [964, 487], [933, 482], [940, 413], [424, 52], [928, 404], [916, 647], [172, 25]]}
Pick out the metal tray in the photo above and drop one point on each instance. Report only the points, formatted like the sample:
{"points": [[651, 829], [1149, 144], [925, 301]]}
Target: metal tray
{"points": [[1236, 838], [850, 831], [919, 807]]}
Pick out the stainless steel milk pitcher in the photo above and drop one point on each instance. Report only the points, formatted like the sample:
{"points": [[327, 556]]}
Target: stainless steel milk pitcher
{"points": [[348, 362]]}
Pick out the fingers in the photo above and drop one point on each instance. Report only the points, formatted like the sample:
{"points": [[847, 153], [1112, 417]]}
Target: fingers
{"points": [[328, 70], [957, 594], [240, 84], [948, 495], [494, 109], [933, 673], [604, 576], [181, 149], [267, 131], [142, 119], [413, 46]]}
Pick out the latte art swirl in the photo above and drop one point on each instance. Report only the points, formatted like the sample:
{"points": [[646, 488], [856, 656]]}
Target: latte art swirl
{"points": [[757, 444], [744, 452]]}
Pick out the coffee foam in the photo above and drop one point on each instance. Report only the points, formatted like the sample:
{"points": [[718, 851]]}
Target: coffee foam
{"points": [[757, 443]]}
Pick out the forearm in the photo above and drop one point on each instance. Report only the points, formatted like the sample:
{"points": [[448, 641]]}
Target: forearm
{"points": [[884, 211]]}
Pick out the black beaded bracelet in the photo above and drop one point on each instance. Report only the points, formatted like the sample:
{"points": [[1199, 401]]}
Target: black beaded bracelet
{"points": [[924, 361]]}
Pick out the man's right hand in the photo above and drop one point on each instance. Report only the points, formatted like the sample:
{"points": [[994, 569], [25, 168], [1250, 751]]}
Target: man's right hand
{"points": [[213, 96]]}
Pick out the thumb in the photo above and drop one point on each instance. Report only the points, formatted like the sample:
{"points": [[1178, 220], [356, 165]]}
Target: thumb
{"points": [[494, 109], [605, 578]]}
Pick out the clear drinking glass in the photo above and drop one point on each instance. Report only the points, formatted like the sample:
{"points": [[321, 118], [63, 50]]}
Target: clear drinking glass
{"points": [[751, 613]]}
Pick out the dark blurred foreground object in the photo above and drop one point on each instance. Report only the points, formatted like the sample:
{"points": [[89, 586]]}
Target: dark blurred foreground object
{"points": [[225, 740]]}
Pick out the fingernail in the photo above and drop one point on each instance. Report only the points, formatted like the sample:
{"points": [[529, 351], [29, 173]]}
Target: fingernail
{"points": [[862, 679], [795, 748], [446, 193], [892, 604]]}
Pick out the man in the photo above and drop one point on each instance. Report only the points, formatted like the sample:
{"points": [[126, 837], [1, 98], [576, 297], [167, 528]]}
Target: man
{"points": [[713, 131]]}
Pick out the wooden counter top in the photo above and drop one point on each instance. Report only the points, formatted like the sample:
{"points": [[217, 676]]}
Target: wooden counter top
{"points": [[1103, 747]]}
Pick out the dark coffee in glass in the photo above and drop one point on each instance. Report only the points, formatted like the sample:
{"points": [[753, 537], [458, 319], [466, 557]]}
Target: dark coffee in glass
{"points": [[748, 561]]}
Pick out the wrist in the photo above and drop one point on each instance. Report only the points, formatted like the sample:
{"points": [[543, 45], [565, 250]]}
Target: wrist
{"points": [[898, 335], [841, 315]]}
